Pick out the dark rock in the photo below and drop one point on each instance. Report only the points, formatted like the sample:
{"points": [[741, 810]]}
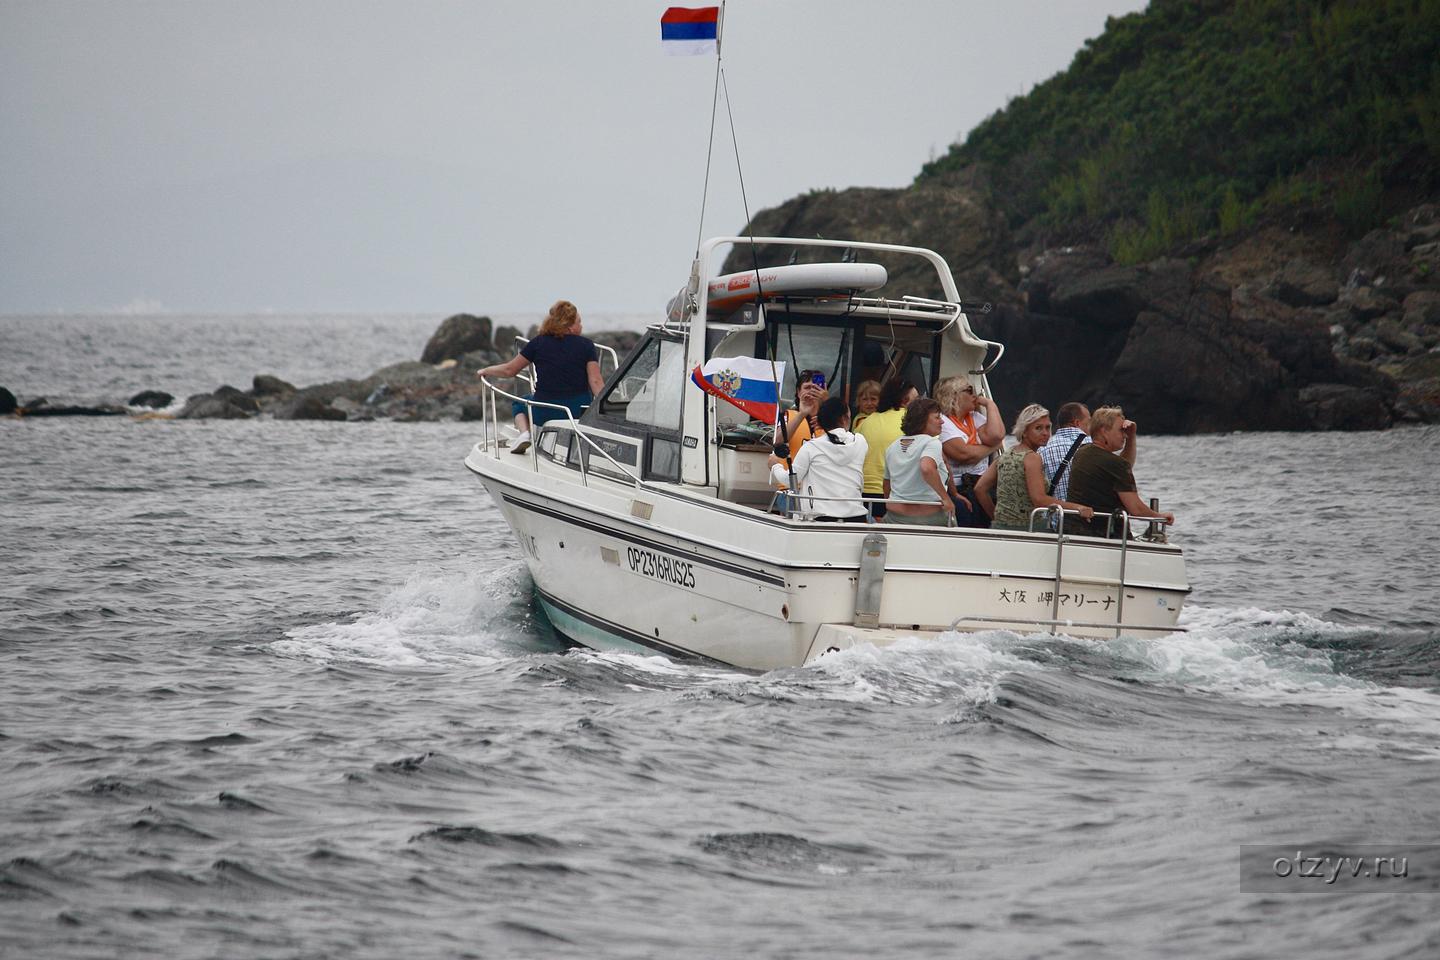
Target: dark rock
{"points": [[1301, 341], [1423, 308], [213, 406], [154, 399], [409, 373], [1302, 284], [266, 385], [505, 344], [1336, 406], [356, 390], [1108, 296], [1194, 374], [1419, 400], [1380, 253], [472, 410], [7, 401], [464, 371], [1397, 338], [1363, 347], [308, 407], [457, 336], [1420, 235], [237, 398], [1425, 262], [1366, 303]]}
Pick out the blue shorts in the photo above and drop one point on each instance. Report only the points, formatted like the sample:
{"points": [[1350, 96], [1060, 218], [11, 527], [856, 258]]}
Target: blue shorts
{"points": [[576, 402]]}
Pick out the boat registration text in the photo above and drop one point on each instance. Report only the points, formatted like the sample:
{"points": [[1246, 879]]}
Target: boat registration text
{"points": [[661, 567]]}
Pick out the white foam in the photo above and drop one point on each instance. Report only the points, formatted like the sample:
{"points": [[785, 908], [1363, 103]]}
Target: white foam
{"points": [[435, 618], [1258, 656], [953, 667]]}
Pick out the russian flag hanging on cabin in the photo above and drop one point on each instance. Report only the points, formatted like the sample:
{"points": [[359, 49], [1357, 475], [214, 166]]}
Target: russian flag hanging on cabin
{"points": [[747, 382], [688, 31]]}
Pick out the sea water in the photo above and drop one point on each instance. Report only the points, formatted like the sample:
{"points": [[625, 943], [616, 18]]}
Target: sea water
{"points": [[278, 689]]}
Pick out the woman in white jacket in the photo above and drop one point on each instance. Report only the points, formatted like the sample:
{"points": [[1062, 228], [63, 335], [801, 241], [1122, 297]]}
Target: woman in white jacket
{"points": [[829, 468]]}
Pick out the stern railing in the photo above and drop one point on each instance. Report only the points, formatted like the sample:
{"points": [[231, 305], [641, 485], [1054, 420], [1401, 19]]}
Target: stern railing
{"points": [[492, 432]]}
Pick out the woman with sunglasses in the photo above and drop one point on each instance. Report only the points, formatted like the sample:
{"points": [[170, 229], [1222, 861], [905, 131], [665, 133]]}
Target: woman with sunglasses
{"points": [[972, 430]]}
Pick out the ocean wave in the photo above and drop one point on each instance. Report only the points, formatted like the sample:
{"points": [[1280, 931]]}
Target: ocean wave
{"points": [[433, 619]]}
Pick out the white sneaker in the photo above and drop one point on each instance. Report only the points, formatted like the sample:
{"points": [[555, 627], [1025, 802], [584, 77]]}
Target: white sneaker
{"points": [[522, 443]]}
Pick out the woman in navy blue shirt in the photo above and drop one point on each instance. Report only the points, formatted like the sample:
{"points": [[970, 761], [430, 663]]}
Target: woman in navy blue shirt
{"points": [[567, 370]]}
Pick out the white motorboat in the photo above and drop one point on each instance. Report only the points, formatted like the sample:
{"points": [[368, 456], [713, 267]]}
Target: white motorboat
{"points": [[647, 523]]}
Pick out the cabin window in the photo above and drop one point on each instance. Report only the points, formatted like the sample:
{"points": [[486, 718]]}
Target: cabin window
{"points": [[649, 391], [616, 452], [806, 347], [663, 461]]}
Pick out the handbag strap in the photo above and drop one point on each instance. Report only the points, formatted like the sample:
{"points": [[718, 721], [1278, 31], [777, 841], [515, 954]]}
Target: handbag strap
{"points": [[1050, 490]]}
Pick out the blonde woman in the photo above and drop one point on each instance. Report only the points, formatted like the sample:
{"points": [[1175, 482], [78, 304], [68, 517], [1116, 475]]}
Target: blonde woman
{"points": [[1019, 476], [867, 401], [567, 370], [973, 429]]}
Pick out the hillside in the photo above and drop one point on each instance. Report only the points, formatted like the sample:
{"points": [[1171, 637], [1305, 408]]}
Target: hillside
{"points": [[1238, 197], [1200, 116]]}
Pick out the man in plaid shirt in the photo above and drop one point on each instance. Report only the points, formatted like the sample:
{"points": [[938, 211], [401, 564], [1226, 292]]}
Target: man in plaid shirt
{"points": [[1072, 422]]}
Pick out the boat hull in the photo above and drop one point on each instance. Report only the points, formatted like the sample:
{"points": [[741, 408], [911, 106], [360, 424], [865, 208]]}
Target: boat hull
{"points": [[613, 570]]}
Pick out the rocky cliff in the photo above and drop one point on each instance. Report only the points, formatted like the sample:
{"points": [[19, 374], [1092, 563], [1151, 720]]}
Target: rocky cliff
{"points": [[1280, 328]]}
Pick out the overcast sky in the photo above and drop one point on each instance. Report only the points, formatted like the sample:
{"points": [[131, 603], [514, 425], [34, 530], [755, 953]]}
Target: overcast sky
{"points": [[485, 155]]}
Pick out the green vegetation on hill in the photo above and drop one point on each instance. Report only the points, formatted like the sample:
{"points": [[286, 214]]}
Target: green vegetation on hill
{"points": [[1198, 116]]}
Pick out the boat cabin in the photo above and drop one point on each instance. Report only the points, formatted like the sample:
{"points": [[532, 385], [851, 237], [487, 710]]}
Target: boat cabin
{"points": [[652, 423]]}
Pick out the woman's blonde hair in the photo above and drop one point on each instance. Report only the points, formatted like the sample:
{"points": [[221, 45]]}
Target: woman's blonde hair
{"points": [[1028, 416], [948, 391], [562, 316], [1105, 418]]}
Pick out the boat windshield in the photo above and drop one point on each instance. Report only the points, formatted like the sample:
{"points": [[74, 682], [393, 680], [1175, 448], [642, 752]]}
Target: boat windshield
{"points": [[849, 350], [649, 388]]}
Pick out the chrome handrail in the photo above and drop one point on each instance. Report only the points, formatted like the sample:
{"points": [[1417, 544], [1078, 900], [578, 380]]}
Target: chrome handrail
{"points": [[1055, 510], [530, 404], [999, 352]]}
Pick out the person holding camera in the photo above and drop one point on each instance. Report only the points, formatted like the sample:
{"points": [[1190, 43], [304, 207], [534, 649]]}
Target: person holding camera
{"points": [[1102, 478], [803, 422]]}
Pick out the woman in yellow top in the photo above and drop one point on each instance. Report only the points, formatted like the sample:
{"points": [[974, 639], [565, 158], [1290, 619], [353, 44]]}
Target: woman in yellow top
{"points": [[881, 429]]}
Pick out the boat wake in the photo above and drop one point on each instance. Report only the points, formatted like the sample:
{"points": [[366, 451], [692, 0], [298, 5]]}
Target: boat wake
{"points": [[1258, 657], [434, 619], [445, 619]]}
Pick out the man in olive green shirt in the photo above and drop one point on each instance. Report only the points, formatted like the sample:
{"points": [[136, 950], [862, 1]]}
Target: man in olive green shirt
{"points": [[1103, 479]]}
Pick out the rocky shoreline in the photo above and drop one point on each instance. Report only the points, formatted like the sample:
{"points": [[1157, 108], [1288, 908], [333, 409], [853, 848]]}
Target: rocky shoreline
{"points": [[441, 385], [1284, 327]]}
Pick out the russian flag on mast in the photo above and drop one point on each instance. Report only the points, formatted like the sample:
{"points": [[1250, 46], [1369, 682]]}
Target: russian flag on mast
{"points": [[690, 31]]}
